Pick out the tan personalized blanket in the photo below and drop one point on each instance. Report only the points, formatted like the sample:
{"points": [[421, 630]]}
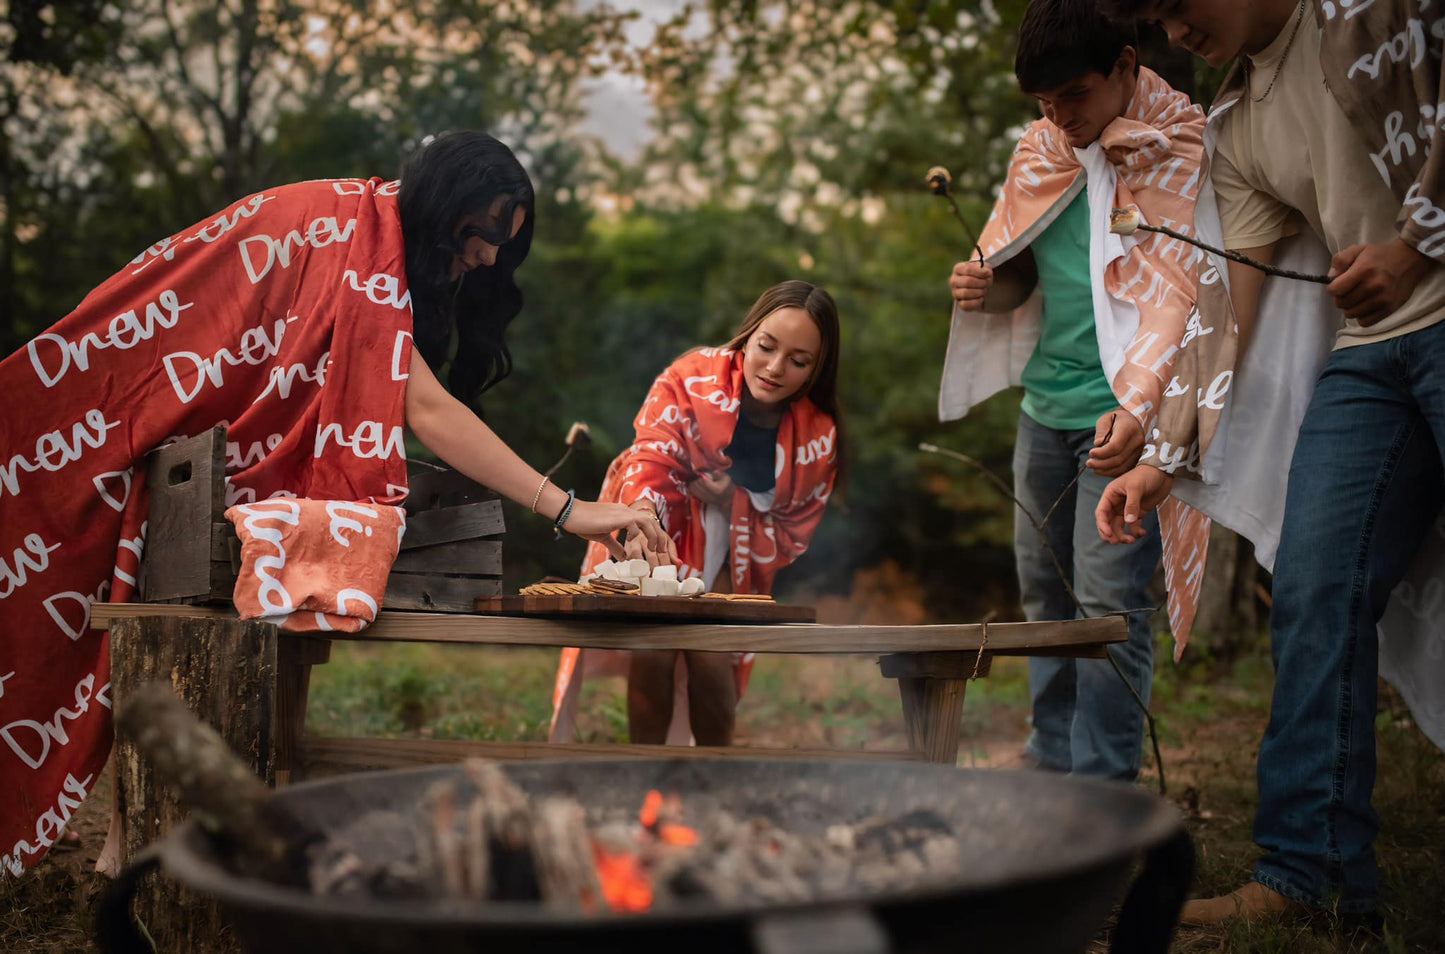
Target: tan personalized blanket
{"points": [[1147, 292]]}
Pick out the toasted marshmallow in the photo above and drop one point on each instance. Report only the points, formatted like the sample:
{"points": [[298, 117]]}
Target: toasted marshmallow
{"points": [[1125, 221]]}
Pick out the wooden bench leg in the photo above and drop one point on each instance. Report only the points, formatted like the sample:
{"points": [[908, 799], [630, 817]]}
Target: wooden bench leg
{"points": [[295, 655], [933, 711], [932, 686]]}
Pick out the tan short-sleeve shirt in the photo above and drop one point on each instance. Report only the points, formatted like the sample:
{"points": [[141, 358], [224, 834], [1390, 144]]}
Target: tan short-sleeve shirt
{"points": [[1293, 161]]}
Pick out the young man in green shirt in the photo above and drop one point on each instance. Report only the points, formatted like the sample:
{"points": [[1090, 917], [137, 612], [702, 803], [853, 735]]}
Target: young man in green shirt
{"points": [[1099, 360]]}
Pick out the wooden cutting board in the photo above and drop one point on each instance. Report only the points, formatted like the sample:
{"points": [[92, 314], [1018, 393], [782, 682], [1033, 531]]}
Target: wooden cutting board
{"points": [[652, 608]]}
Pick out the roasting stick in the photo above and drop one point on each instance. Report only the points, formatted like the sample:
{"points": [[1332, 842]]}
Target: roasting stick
{"points": [[939, 182], [1128, 221]]}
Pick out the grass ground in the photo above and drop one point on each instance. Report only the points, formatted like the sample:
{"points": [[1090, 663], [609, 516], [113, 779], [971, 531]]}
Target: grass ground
{"points": [[1210, 718]]}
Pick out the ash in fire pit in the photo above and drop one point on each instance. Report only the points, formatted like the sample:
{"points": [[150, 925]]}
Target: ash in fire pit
{"points": [[475, 836], [480, 838]]}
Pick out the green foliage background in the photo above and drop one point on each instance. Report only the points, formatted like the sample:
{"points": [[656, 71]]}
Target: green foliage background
{"points": [[792, 138]]}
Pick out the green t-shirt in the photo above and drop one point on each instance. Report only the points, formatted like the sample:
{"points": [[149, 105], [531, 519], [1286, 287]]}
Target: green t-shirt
{"points": [[1064, 383]]}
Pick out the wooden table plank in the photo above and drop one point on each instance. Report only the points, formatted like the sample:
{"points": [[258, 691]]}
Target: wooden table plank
{"points": [[1003, 638], [325, 755], [651, 609]]}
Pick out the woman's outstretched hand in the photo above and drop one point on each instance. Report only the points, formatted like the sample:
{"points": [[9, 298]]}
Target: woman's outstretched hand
{"points": [[600, 522]]}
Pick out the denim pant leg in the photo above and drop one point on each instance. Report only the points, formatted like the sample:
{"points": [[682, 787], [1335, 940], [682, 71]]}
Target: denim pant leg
{"points": [[1044, 464], [1364, 486], [1108, 730]]}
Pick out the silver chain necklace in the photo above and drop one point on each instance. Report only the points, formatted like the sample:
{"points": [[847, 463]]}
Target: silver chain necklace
{"points": [[1299, 19]]}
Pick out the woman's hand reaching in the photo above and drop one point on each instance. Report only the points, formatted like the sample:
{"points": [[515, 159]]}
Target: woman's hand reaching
{"points": [[599, 522], [715, 489], [638, 547]]}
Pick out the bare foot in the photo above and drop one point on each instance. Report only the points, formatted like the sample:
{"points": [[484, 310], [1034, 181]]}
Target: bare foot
{"points": [[108, 863]]}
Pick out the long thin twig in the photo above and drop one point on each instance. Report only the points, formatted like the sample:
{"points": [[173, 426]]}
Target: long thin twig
{"points": [[940, 183], [1237, 257], [1039, 526]]}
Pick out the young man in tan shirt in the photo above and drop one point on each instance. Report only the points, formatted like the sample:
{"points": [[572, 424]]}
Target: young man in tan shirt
{"points": [[1365, 482]]}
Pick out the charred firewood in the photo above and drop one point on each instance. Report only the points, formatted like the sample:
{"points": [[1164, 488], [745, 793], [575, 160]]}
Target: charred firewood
{"points": [[562, 845], [257, 837]]}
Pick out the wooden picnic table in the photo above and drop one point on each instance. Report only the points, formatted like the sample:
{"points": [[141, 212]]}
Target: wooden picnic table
{"points": [[932, 664]]}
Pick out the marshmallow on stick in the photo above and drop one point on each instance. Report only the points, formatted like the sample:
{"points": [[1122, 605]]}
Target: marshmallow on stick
{"points": [[1129, 221]]}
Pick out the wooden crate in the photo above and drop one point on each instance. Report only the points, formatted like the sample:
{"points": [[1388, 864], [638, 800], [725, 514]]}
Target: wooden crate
{"points": [[451, 553]]}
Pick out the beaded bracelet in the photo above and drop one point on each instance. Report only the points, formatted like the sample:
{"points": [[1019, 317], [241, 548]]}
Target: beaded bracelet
{"points": [[538, 496], [566, 512]]}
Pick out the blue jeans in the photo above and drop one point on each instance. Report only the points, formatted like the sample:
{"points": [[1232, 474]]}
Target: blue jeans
{"points": [[1364, 487], [1084, 718]]}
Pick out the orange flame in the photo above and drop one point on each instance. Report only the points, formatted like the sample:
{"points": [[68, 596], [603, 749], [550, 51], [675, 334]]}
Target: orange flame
{"points": [[679, 835], [651, 809], [624, 875], [625, 885]]}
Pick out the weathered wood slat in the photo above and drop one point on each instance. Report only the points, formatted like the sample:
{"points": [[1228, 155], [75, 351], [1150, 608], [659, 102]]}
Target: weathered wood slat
{"points": [[432, 592], [429, 488], [935, 665], [719, 637], [450, 524], [329, 756], [480, 557], [651, 608], [187, 485]]}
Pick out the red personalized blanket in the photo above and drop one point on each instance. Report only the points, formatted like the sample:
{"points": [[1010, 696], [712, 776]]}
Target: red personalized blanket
{"points": [[287, 318], [683, 429]]}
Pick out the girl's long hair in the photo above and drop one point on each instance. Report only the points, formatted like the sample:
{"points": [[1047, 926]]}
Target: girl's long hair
{"points": [[822, 386], [454, 175]]}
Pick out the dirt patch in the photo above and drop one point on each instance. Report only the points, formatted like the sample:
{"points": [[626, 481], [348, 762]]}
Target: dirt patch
{"points": [[48, 911]]}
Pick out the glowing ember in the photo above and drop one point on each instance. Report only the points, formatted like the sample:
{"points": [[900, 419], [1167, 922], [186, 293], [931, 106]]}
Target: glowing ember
{"points": [[626, 885], [651, 809], [626, 873], [678, 835]]}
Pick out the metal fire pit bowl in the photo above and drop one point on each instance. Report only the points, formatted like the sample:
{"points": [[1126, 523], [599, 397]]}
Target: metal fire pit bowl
{"points": [[1047, 858]]}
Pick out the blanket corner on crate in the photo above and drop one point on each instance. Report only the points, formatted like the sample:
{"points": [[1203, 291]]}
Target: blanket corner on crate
{"points": [[450, 554]]}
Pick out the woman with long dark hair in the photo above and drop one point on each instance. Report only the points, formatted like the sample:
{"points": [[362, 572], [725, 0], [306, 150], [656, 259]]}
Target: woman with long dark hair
{"points": [[738, 449], [288, 318]]}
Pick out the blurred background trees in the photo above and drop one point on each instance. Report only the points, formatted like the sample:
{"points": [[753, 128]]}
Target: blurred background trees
{"points": [[791, 139]]}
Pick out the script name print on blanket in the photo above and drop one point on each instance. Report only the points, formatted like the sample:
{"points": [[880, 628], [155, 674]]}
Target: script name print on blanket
{"points": [[1145, 292], [1382, 64], [287, 318], [683, 429]]}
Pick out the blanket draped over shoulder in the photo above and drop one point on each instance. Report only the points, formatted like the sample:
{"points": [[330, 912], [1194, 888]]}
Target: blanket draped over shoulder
{"points": [[682, 430], [1150, 295], [286, 318], [1382, 64]]}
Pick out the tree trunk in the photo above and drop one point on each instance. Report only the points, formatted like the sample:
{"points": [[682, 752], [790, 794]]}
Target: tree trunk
{"points": [[225, 672]]}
